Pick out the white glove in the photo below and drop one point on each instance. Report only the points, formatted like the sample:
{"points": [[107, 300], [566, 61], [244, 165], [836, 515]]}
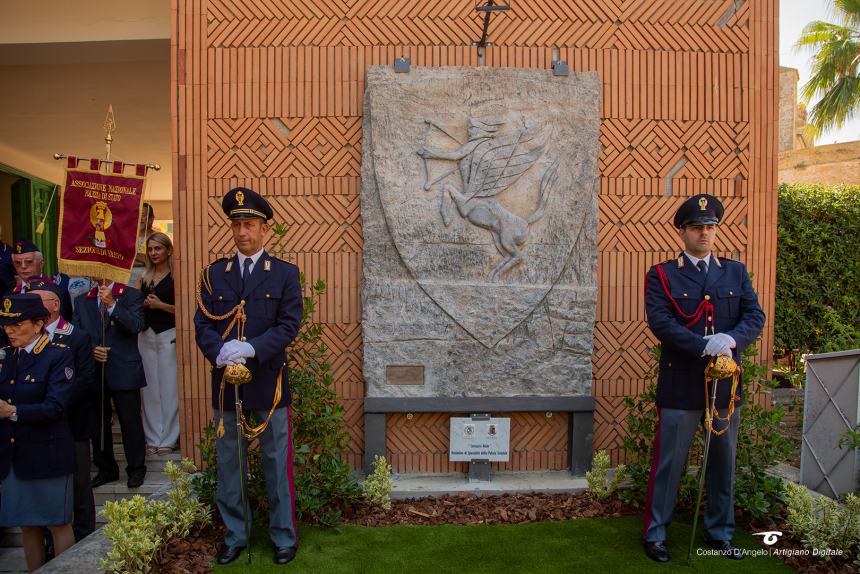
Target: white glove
{"points": [[719, 344], [222, 360], [236, 349]]}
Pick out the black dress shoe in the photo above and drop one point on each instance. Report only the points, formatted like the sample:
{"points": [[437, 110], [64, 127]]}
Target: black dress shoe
{"points": [[135, 481], [283, 554], [656, 551], [101, 479], [725, 548], [229, 553]]}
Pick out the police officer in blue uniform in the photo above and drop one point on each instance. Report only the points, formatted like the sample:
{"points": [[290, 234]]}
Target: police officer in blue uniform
{"points": [[28, 262], [269, 291], [81, 413], [699, 306], [37, 455], [7, 269]]}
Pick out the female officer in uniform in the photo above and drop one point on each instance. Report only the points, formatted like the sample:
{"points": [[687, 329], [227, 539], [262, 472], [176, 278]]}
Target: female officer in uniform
{"points": [[37, 455]]}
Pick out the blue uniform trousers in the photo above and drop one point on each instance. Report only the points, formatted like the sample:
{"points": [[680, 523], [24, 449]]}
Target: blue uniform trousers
{"points": [[276, 448], [675, 431]]}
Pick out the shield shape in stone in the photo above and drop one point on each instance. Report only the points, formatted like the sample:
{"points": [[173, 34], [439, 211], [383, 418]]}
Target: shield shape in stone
{"points": [[485, 187]]}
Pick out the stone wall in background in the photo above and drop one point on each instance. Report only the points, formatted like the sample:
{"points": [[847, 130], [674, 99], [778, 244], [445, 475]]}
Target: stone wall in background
{"points": [[479, 214]]}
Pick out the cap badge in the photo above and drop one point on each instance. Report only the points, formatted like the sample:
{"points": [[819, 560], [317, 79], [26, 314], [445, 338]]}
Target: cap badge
{"points": [[18, 248], [240, 198], [7, 305], [703, 203]]}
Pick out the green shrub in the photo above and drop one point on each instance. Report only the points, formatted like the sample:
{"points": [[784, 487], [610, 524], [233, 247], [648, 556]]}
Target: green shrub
{"points": [[822, 523], [600, 486], [760, 445], [817, 272], [378, 486], [137, 527], [320, 442]]}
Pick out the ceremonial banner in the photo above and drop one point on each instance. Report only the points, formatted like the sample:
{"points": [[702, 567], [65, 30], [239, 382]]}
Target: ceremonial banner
{"points": [[99, 215]]}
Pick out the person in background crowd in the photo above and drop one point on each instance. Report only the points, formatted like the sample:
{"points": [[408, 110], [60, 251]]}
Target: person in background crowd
{"points": [[80, 412], [112, 315], [157, 344], [28, 262], [37, 455], [7, 269], [74, 285], [144, 230]]}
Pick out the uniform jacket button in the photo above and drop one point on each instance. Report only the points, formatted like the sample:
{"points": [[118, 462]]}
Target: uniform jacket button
{"points": [[12, 440]]}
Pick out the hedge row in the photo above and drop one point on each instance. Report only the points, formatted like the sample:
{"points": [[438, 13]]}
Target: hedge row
{"points": [[818, 269]]}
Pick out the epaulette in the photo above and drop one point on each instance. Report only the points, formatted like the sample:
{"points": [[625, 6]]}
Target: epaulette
{"points": [[211, 265]]}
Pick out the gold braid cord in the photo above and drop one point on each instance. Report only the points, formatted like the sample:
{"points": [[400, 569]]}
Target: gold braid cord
{"points": [[718, 368], [235, 374]]}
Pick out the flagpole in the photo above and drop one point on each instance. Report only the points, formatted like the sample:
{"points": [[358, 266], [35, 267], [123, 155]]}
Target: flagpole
{"points": [[109, 126]]}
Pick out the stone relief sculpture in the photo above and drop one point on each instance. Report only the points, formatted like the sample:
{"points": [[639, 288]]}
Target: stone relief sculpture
{"points": [[479, 210], [489, 163]]}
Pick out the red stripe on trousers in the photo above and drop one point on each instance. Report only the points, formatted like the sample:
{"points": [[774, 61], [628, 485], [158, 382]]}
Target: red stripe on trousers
{"points": [[654, 462], [288, 464]]}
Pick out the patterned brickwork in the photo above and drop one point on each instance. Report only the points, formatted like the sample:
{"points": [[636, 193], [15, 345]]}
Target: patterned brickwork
{"points": [[269, 94]]}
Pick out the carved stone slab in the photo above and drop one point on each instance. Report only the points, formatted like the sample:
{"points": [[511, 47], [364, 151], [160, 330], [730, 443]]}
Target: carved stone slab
{"points": [[479, 210]]}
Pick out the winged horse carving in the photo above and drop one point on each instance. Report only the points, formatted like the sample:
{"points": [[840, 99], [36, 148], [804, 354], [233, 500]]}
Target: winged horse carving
{"points": [[489, 163]]}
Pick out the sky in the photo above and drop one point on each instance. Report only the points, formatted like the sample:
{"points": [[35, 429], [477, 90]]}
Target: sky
{"points": [[793, 16]]}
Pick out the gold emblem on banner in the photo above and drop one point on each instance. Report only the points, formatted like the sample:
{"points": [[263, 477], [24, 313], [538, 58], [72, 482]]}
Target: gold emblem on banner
{"points": [[100, 218], [703, 203], [240, 198]]}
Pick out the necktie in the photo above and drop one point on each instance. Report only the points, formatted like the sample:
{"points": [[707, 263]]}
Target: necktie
{"points": [[246, 270], [703, 267]]}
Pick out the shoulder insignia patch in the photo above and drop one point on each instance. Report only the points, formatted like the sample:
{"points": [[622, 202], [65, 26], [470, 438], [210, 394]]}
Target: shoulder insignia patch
{"points": [[229, 266], [267, 265], [70, 373]]}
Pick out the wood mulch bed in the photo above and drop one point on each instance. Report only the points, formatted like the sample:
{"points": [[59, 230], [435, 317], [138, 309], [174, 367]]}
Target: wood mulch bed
{"points": [[470, 509], [193, 555]]}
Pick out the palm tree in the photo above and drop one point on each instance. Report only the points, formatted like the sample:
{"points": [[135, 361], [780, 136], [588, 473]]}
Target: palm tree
{"points": [[835, 79]]}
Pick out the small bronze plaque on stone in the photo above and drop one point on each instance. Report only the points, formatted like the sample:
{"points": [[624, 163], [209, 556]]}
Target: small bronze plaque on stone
{"points": [[405, 374]]}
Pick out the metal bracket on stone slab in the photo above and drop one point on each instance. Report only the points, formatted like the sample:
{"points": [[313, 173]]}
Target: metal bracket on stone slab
{"points": [[479, 468], [401, 65], [559, 68]]}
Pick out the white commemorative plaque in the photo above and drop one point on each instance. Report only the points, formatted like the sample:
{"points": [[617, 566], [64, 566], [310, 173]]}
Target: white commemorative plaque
{"points": [[480, 439]]}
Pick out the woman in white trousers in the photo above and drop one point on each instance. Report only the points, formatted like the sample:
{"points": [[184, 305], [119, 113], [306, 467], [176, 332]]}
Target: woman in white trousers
{"points": [[157, 344]]}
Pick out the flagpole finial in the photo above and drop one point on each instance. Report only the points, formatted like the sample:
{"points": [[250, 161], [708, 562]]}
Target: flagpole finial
{"points": [[109, 127]]}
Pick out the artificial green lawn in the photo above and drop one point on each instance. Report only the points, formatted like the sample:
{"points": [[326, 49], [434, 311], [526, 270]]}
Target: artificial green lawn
{"points": [[604, 545]]}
